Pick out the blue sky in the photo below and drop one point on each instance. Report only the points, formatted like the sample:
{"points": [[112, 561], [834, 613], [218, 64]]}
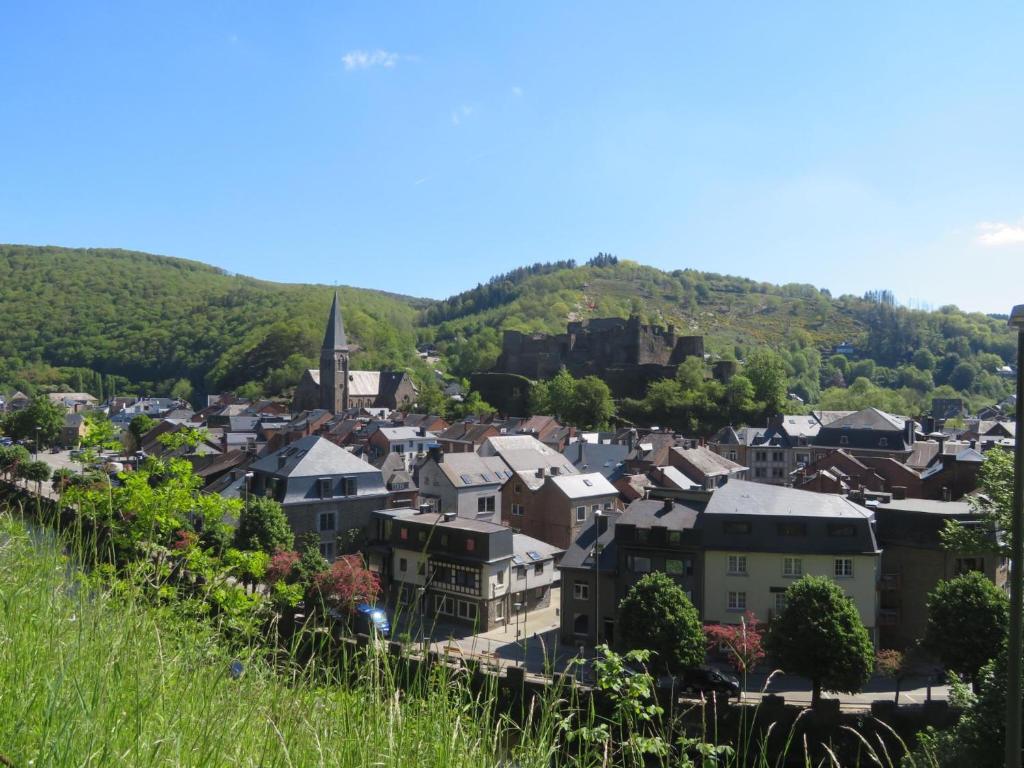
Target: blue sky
{"points": [[422, 147]]}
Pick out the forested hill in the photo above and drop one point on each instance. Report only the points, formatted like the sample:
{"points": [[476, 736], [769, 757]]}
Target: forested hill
{"points": [[153, 321], [100, 320]]}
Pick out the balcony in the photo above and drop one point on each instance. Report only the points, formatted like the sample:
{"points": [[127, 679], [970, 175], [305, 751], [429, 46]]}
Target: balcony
{"points": [[889, 582]]}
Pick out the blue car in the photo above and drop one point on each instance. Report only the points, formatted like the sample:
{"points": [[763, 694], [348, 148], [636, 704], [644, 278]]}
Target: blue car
{"points": [[371, 620]]}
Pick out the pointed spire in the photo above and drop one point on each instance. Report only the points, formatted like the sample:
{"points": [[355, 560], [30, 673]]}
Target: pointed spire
{"points": [[335, 336]]}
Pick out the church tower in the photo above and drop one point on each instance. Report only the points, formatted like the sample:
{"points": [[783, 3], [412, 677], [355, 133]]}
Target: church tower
{"points": [[334, 363]]}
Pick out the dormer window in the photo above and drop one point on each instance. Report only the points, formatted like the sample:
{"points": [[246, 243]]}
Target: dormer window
{"points": [[324, 486], [844, 440], [883, 442]]}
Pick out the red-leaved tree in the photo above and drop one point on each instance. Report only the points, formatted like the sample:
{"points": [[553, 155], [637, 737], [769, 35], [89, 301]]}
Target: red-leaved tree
{"points": [[743, 642], [282, 567], [347, 583]]}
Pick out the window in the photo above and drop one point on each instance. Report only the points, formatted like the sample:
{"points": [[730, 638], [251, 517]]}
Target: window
{"points": [[607, 506], [467, 610], [760, 455], [403, 533], [883, 442], [485, 504], [581, 624], [397, 449], [326, 521], [520, 572], [403, 564], [845, 530], [778, 456], [737, 601], [499, 611], [780, 602], [844, 568], [324, 486], [518, 488], [444, 539], [643, 534], [736, 527], [802, 458], [581, 590], [792, 567], [350, 485], [444, 605], [501, 577], [421, 536], [538, 568], [760, 472], [470, 544], [777, 472], [517, 510], [327, 549], [581, 514], [732, 456], [844, 440], [674, 537], [792, 529], [640, 564], [737, 565], [674, 567], [967, 564]]}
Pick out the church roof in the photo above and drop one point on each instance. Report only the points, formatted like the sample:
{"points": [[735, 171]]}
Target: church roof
{"points": [[334, 338]]}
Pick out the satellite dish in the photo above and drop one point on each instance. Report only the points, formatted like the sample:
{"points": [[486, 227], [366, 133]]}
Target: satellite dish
{"points": [[237, 669]]}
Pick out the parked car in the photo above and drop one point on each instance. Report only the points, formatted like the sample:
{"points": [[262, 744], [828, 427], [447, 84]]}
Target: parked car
{"points": [[371, 620], [706, 681]]}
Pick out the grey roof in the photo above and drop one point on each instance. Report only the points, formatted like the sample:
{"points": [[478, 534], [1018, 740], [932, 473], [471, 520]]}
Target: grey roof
{"points": [[584, 486], [334, 338], [870, 418], [785, 520], [605, 458], [646, 513], [929, 506], [742, 497], [313, 456], [707, 462], [826, 418], [467, 470], [523, 544], [578, 555], [461, 523]]}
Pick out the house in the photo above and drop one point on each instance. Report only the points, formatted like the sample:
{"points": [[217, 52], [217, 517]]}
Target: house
{"points": [[987, 433], [548, 430], [464, 483], [771, 453], [869, 432], [407, 442], [758, 539], [465, 436], [19, 401], [429, 422], [73, 402], [74, 429], [650, 535], [467, 571], [324, 489], [705, 467], [914, 560], [402, 490]]}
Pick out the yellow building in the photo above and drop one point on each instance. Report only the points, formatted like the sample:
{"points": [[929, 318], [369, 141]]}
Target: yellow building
{"points": [[758, 539]]}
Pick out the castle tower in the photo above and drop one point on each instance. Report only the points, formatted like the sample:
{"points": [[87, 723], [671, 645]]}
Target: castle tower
{"points": [[334, 363]]}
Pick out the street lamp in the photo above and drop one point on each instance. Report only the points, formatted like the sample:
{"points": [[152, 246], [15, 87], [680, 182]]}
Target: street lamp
{"points": [[517, 607], [38, 428], [1013, 703], [247, 478], [596, 554]]}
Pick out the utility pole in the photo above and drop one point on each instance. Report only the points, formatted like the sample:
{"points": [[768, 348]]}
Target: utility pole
{"points": [[1013, 684]]}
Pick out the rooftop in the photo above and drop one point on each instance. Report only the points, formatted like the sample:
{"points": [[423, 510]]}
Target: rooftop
{"points": [[741, 497]]}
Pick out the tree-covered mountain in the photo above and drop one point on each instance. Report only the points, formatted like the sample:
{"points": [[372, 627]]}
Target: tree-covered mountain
{"points": [[102, 320]]}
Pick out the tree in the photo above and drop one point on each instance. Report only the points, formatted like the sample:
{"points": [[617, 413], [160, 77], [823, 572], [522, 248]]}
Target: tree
{"points": [[263, 526], [100, 432], [967, 622], [994, 508], [592, 406], [11, 457], [656, 615], [347, 583], [744, 642], [42, 413], [891, 663], [36, 472], [140, 425], [820, 636], [767, 372]]}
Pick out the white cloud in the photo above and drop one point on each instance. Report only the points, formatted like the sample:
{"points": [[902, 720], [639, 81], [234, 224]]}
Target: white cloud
{"points": [[366, 59], [997, 233], [460, 114]]}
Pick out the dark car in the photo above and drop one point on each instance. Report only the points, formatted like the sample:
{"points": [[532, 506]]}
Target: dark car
{"points": [[706, 681], [371, 620]]}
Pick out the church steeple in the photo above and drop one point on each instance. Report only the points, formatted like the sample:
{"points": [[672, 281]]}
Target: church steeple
{"points": [[334, 363], [334, 338]]}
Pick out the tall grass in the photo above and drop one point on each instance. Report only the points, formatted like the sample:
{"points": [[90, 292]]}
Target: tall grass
{"points": [[93, 677]]}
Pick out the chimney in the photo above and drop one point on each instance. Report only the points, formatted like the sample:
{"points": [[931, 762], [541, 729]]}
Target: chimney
{"points": [[421, 432], [449, 517], [946, 496], [899, 492], [555, 471], [540, 472], [666, 507], [436, 454], [426, 508], [908, 430], [579, 459], [281, 461], [942, 445]]}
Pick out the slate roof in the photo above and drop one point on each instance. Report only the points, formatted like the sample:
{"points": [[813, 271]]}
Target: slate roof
{"points": [[313, 456], [578, 554], [676, 478], [605, 458], [826, 418], [479, 470], [929, 506], [646, 513], [521, 544], [334, 337], [870, 418], [831, 524], [584, 486], [465, 432], [709, 463]]}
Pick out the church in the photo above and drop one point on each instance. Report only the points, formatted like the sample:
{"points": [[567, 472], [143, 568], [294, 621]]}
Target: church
{"points": [[335, 388]]}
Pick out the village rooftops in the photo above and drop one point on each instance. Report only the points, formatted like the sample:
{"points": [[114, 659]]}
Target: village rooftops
{"points": [[741, 497], [466, 470], [584, 486], [312, 456]]}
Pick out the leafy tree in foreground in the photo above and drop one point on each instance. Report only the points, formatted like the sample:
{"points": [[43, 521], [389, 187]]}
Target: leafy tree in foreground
{"points": [[263, 526], [656, 615], [967, 621], [820, 636], [37, 472]]}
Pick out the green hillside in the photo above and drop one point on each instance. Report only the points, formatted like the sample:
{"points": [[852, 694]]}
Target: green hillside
{"points": [[107, 320], [152, 320]]}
